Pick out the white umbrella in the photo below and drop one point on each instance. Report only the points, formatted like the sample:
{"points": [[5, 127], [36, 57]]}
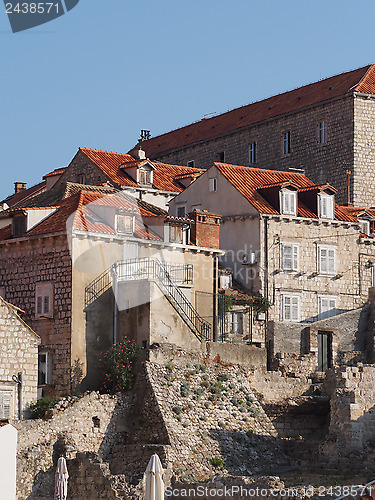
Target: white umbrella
{"points": [[61, 480], [154, 479]]}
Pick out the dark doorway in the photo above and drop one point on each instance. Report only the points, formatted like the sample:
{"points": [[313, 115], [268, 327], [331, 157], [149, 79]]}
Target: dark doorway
{"points": [[324, 351]]}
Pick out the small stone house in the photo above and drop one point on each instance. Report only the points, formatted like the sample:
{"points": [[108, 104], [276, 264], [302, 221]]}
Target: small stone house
{"points": [[286, 239], [18, 363], [322, 128], [61, 252]]}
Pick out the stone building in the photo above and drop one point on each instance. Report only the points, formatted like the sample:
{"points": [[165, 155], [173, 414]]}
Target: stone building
{"points": [[286, 239], [65, 254], [154, 182], [327, 129], [18, 363]]}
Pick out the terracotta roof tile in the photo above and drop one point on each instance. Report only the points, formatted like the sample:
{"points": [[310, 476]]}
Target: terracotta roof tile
{"points": [[6, 232], [110, 163], [361, 80], [251, 182], [24, 194], [57, 171]]}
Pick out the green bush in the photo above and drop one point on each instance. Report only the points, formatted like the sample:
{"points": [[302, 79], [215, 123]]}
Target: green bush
{"points": [[249, 433], [206, 377], [222, 377], [185, 389], [203, 368], [234, 401], [39, 408], [117, 366], [177, 410], [217, 462]]}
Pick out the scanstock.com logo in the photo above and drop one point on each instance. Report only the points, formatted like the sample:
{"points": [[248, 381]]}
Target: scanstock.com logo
{"points": [[27, 14]]}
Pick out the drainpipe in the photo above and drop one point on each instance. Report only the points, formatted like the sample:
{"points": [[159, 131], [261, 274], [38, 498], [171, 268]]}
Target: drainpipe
{"points": [[19, 381], [215, 297], [265, 288], [115, 319]]}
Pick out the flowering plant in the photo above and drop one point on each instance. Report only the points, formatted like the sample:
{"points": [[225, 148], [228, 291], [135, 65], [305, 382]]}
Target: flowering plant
{"points": [[117, 365]]}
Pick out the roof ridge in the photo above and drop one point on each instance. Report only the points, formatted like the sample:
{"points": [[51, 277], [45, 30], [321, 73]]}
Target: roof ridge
{"points": [[260, 169], [82, 148]]}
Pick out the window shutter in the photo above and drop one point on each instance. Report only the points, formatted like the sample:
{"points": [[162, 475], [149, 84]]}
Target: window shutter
{"points": [[331, 261], [295, 309], [286, 308], [287, 257], [46, 304], [5, 405], [39, 305], [295, 257]]}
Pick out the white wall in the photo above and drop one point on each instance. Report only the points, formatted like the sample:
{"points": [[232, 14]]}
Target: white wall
{"points": [[8, 449]]}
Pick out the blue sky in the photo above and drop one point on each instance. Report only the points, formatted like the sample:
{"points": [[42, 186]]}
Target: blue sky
{"points": [[108, 68]]}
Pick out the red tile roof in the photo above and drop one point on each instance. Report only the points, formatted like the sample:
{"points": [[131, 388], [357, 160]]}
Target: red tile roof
{"points": [[6, 232], [110, 164], [57, 171], [253, 183], [360, 80], [82, 207], [24, 194]]}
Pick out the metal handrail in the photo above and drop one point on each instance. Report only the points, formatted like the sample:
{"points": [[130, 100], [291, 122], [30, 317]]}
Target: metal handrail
{"points": [[166, 275]]}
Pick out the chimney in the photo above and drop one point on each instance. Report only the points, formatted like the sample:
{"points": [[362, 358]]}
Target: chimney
{"points": [[205, 231], [141, 153], [19, 186], [145, 135]]}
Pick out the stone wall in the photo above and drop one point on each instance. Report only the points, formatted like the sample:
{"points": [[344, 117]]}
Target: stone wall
{"points": [[90, 425], [321, 162], [23, 264], [364, 151], [352, 409], [19, 354]]}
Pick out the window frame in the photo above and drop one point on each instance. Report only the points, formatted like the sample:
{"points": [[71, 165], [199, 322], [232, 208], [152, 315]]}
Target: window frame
{"points": [[252, 153], [327, 249], [286, 142], [284, 194], [190, 163], [292, 318], [131, 226], [44, 290], [322, 132], [147, 174], [294, 257], [182, 207], [7, 390], [212, 184], [329, 214], [48, 370], [221, 156], [322, 314]]}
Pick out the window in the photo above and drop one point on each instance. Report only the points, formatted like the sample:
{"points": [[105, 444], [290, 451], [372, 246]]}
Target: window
{"points": [[44, 300], [6, 404], [289, 257], [253, 153], [288, 202], [181, 211], [221, 156], [175, 234], [124, 224], [322, 132], [19, 226], [326, 260], [237, 322], [144, 177], [286, 142], [364, 227], [44, 371], [327, 307], [290, 308], [191, 164], [213, 184], [326, 206], [81, 179]]}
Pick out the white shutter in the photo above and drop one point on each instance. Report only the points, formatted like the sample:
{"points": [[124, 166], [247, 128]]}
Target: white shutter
{"points": [[5, 405], [295, 257], [322, 260], [295, 309], [327, 307], [286, 308], [286, 251], [331, 261]]}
